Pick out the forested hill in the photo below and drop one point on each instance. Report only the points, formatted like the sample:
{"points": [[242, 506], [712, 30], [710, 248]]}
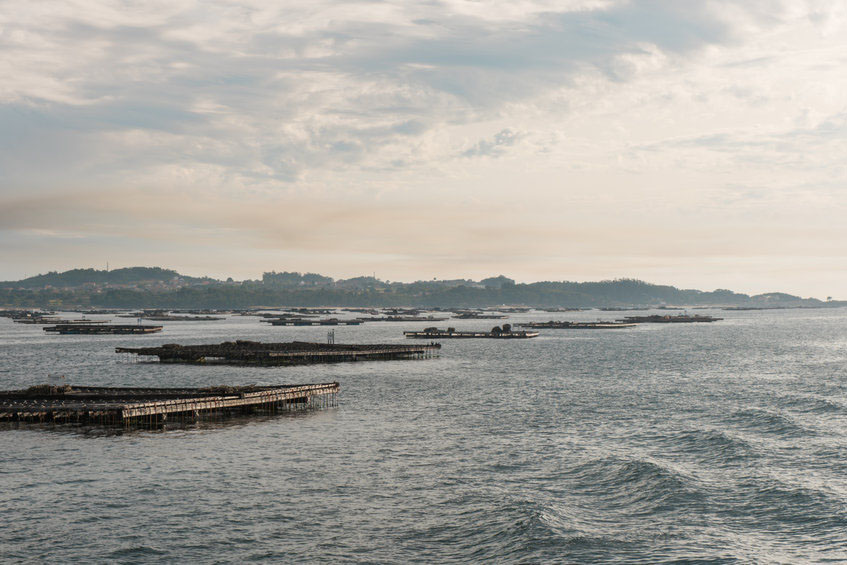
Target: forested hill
{"points": [[81, 277], [153, 287]]}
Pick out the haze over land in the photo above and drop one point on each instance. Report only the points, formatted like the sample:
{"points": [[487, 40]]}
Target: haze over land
{"points": [[698, 144]]}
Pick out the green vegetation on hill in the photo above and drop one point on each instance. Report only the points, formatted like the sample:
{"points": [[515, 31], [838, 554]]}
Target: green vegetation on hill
{"points": [[81, 277], [130, 288], [290, 280]]}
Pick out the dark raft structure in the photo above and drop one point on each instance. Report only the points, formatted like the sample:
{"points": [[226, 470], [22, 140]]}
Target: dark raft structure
{"points": [[274, 354], [564, 325], [88, 405], [102, 329], [497, 332], [669, 319]]}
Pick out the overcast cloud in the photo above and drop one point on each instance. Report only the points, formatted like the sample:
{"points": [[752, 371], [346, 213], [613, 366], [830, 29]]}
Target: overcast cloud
{"points": [[692, 143]]}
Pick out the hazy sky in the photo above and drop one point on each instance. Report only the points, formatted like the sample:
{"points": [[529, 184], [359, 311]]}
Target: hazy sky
{"points": [[695, 143]]}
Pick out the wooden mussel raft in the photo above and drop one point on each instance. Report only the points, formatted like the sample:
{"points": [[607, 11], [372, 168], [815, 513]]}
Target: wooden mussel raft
{"points": [[496, 332], [564, 325], [165, 316], [102, 329], [181, 318], [275, 354], [155, 406], [397, 318], [668, 319], [29, 316], [308, 322], [479, 316], [55, 320], [311, 311]]}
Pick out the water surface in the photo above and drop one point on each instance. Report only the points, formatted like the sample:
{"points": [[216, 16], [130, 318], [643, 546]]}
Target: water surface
{"points": [[722, 442]]}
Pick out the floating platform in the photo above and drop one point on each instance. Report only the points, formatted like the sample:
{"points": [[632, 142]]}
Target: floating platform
{"points": [[403, 319], [167, 318], [668, 319], [38, 320], [310, 311], [30, 316], [475, 316], [274, 354], [369, 311], [451, 333], [579, 325], [307, 322], [102, 329], [154, 406], [401, 311]]}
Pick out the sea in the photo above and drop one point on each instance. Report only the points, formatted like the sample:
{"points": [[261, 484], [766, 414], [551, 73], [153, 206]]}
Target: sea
{"points": [[720, 442]]}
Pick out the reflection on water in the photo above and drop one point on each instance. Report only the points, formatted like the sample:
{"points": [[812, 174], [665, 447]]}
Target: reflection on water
{"points": [[207, 422]]}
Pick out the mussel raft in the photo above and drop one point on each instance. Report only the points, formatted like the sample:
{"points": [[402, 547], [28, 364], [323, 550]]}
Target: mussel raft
{"points": [[579, 325], [89, 405], [496, 332], [288, 353]]}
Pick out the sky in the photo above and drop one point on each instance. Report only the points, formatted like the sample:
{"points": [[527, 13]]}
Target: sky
{"points": [[701, 144]]}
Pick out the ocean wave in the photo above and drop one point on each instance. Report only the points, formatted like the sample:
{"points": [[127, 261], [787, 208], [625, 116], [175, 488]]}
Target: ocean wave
{"points": [[768, 422], [812, 404], [796, 509], [714, 446], [637, 486], [512, 529]]}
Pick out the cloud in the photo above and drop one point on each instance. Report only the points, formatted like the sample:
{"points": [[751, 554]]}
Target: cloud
{"points": [[277, 93], [494, 147], [248, 124], [811, 151]]}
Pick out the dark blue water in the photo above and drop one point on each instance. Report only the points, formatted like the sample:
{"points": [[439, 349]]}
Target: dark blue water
{"points": [[722, 442]]}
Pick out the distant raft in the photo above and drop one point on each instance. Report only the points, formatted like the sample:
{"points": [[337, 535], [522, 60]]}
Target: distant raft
{"points": [[564, 325], [668, 319], [169, 318], [102, 329], [450, 333], [306, 322], [478, 316], [403, 319], [45, 321]]}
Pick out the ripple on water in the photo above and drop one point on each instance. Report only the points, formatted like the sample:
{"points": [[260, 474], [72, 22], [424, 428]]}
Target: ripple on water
{"points": [[605, 447], [771, 505], [142, 553]]}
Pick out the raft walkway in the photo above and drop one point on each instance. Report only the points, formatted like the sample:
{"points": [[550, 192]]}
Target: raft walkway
{"points": [[154, 406]]}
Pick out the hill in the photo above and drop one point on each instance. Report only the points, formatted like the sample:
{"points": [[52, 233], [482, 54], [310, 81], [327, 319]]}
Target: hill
{"points": [[154, 287], [131, 276]]}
